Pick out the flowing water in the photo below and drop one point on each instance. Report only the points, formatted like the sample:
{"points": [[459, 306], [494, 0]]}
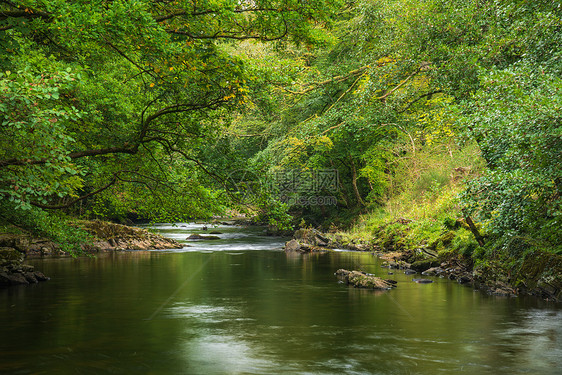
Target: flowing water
{"points": [[240, 305]]}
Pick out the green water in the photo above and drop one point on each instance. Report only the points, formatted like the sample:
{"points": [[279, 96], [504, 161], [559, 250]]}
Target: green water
{"points": [[242, 306]]}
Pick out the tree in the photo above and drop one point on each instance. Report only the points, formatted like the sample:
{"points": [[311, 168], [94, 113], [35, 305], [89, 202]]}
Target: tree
{"points": [[107, 96], [516, 119]]}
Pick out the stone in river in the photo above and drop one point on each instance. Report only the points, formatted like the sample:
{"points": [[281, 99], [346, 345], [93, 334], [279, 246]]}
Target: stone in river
{"points": [[198, 237], [292, 246], [363, 280]]}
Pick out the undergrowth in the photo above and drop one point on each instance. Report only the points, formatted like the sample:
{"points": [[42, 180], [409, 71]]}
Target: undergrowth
{"points": [[54, 226], [421, 210]]}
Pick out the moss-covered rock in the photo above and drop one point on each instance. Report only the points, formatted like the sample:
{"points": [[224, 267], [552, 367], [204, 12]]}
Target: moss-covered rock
{"points": [[13, 272], [541, 274], [362, 280], [9, 255], [19, 242], [111, 236], [423, 265]]}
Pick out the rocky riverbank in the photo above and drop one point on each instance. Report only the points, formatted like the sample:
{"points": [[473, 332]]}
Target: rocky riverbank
{"points": [[14, 272], [308, 240], [540, 273], [105, 236], [117, 237]]}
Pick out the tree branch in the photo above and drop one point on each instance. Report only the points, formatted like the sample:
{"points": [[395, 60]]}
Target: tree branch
{"points": [[212, 11], [415, 72], [66, 205], [26, 13], [127, 148], [73, 155], [234, 37], [419, 98], [315, 85]]}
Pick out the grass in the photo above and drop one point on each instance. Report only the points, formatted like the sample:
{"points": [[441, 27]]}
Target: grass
{"points": [[421, 208]]}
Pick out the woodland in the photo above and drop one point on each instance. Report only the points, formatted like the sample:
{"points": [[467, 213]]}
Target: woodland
{"points": [[442, 114]]}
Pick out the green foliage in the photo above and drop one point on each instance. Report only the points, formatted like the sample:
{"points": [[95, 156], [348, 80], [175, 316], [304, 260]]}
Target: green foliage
{"points": [[464, 243], [132, 100], [58, 228], [147, 108], [516, 120], [34, 124], [275, 214]]}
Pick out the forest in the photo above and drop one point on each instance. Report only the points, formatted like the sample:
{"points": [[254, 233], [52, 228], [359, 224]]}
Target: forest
{"points": [[395, 122]]}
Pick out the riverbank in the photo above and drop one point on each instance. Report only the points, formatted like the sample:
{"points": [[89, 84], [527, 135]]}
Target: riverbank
{"points": [[103, 237], [538, 273]]}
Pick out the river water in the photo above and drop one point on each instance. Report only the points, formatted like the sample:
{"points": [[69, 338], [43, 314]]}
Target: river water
{"points": [[240, 305]]}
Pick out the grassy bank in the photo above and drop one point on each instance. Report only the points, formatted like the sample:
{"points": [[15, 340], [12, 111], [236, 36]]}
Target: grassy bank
{"points": [[422, 222]]}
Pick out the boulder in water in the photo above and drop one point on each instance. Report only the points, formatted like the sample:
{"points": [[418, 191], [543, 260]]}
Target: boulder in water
{"points": [[311, 237], [434, 271], [198, 237], [363, 280], [292, 246], [13, 272]]}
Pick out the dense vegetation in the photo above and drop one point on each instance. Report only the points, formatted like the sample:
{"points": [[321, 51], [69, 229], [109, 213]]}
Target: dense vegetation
{"points": [[429, 111]]}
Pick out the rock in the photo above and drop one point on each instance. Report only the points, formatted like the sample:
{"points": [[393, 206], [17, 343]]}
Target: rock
{"points": [[111, 236], [199, 237], [16, 241], [9, 279], [215, 232], [311, 237], [435, 271], [9, 255], [422, 265], [362, 280], [292, 246], [13, 272], [321, 240], [194, 236], [27, 268], [30, 277], [502, 290], [40, 276], [392, 265], [309, 240]]}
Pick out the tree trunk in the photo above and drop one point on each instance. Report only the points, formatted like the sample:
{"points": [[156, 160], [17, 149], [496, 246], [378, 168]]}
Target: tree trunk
{"points": [[474, 230], [358, 198]]}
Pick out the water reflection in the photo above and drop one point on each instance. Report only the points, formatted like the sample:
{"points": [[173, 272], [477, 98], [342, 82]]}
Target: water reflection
{"points": [[215, 349], [262, 312], [533, 339]]}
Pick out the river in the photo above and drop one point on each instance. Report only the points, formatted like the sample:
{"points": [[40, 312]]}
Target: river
{"points": [[240, 305]]}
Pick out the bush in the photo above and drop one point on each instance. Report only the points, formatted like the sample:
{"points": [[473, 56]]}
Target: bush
{"points": [[54, 226], [516, 120]]}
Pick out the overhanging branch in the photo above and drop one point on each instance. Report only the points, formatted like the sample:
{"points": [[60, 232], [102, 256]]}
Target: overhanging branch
{"points": [[214, 11], [66, 205]]}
